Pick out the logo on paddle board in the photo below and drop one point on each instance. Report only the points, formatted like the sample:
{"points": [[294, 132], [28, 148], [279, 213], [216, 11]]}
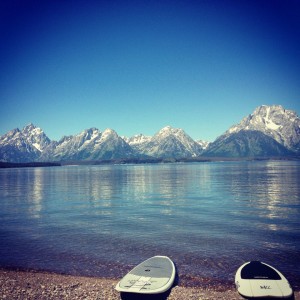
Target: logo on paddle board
{"points": [[265, 287]]}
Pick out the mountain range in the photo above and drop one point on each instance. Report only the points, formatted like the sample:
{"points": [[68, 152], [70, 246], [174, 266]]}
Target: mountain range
{"points": [[268, 131]]}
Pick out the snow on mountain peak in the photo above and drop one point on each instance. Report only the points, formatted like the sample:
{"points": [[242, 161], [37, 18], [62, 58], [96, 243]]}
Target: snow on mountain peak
{"points": [[165, 130], [266, 123], [29, 127], [107, 133], [275, 121], [168, 130], [137, 139], [25, 145], [35, 136], [168, 127]]}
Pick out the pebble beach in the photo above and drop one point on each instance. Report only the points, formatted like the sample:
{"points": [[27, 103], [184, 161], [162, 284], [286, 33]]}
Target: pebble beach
{"points": [[41, 285]]}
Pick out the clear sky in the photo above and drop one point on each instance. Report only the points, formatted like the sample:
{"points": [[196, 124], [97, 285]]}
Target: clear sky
{"points": [[137, 66]]}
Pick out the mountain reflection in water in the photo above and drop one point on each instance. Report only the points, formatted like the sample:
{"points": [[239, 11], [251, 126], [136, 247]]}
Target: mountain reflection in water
{"points": [[101, 220]]}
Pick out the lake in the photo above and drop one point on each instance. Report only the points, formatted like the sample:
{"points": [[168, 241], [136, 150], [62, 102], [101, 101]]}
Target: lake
{"points": [[208, 217]]}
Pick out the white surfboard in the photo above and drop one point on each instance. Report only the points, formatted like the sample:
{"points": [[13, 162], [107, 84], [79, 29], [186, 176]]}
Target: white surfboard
{"points": [[258, 280], [153, 276]]}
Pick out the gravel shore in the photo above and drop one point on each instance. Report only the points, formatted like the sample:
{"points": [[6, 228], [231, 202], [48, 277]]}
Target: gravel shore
{"points": [[39, 285]]}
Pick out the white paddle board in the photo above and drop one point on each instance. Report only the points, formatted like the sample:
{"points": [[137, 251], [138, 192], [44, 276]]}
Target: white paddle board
{"points": [[258, 280], [153, 276]]}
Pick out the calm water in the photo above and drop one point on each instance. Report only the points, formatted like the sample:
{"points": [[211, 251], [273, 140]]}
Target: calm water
{"points": [[102, 220]]}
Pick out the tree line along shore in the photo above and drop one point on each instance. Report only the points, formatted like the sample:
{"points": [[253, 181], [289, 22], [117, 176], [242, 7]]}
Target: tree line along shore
{"points": [[139, 161]]}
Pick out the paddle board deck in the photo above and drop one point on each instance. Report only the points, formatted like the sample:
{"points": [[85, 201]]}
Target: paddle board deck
{"points": [[258, 280], [153, 276]]}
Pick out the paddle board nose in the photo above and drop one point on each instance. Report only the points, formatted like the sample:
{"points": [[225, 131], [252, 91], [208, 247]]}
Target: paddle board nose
{"points": [[153, 276], [256, 279]]}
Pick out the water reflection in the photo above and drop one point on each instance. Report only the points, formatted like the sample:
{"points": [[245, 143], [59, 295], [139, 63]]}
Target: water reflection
{"points": [[260, 187], [267, 189], [213, 211], [106, 184], [36, 193], [23, 185]]}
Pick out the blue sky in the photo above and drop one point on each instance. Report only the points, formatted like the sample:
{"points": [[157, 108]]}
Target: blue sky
{"points": [[137, 66]]}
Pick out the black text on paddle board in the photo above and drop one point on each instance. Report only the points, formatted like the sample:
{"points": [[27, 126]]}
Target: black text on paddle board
{"points": [[265, 287]]}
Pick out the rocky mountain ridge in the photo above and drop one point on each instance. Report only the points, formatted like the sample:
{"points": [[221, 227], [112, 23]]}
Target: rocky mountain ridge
{"points": [[90, 144], [268, 131], [23, 145], [274, 121], [168, 142]]}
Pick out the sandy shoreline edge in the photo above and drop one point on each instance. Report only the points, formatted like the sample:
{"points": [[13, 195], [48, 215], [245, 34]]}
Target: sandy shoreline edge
{"points": [[42, 285]]}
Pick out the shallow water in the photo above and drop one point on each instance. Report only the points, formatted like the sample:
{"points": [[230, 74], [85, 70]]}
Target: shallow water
{"points": [[102, 220]]}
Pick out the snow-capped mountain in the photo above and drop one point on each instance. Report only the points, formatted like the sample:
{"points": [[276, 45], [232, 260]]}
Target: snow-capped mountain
{"points": [[36, 137], [137, 141], [257, 133], [274, 121], [246, 143], [167, 143], [90, 144], [23, 145], [268, 131]]}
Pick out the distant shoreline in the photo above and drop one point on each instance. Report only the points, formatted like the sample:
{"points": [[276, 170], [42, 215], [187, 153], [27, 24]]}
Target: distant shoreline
{"points": [[144, 161], [29, 165]]}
